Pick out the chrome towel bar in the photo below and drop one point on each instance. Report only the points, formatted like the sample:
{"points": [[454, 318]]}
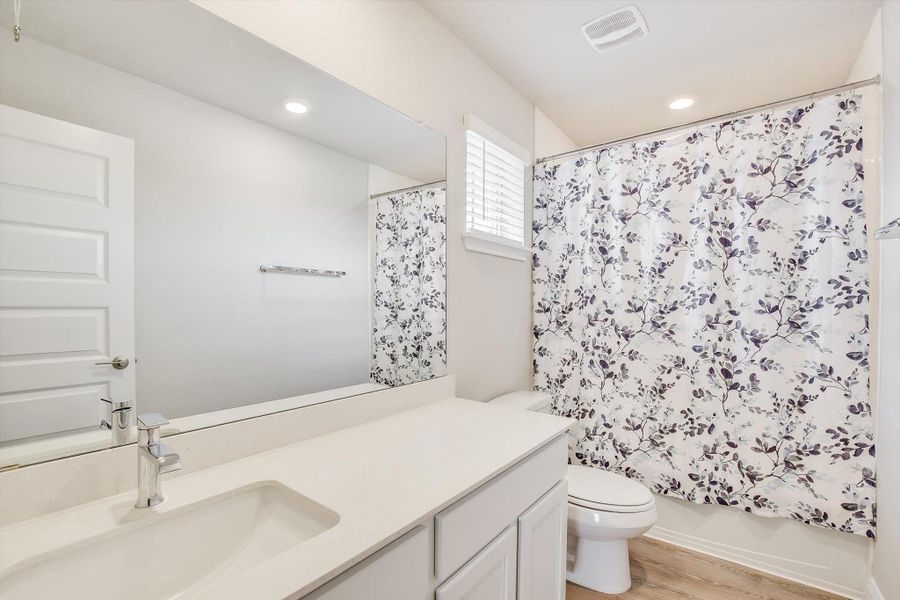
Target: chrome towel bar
{"points": [[889, 231], [300, 271]]}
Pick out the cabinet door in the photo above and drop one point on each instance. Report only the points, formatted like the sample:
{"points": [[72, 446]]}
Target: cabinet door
{"points": [[398, 572], [542, 547], [491, 575]]}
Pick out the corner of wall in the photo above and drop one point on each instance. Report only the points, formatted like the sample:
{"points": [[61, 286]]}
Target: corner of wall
{"points": [[549, 139], [873, 592]]}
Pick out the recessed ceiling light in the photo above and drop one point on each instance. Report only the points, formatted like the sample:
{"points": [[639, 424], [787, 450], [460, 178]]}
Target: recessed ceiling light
{"points": [[295, 106], [681, 103]]}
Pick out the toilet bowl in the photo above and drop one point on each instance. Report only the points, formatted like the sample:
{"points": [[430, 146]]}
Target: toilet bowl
{"points": [[605, 511]]}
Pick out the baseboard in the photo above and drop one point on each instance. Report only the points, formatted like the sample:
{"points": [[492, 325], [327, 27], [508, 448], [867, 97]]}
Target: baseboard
{"points": [[726, 553], [872, 591]]}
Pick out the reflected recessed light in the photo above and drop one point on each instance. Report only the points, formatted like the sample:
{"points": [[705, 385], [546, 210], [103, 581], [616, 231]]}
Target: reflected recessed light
{"points": [[294, 106], [681, 103]]}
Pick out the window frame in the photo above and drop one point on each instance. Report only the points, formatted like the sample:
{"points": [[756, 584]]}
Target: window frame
{"points": [[483, 242]]}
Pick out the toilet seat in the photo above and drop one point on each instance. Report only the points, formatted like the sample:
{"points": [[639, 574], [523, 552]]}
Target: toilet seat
{"points": [[605, 491]]}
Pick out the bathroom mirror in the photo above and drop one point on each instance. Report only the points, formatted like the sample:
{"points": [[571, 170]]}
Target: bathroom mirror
{"points": [[198, 224]]}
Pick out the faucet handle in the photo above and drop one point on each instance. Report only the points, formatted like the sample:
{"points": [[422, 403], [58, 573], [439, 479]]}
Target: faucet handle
{"points": [[151, 421]]}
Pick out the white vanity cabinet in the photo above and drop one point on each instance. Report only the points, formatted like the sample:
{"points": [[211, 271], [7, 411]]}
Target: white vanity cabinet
{"points": [[398, 572], [505, 540]]}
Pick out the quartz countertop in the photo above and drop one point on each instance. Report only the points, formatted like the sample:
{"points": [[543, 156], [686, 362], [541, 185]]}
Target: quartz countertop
{"points": [[383, 478]]}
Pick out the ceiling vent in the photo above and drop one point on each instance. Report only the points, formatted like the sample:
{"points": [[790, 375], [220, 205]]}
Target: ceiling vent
{"points": [[615, 29]]}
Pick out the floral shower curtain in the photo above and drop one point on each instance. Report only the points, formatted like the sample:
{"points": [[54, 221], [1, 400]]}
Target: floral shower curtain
{"points": [[409, 316], [701, 309]]}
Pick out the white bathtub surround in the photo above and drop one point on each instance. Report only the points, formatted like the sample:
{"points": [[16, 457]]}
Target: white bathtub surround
{"points": [[35, 490], [381, 478]]}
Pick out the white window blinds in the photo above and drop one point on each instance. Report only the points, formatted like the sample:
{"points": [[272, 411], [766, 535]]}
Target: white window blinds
{"points": [[495, 191]]}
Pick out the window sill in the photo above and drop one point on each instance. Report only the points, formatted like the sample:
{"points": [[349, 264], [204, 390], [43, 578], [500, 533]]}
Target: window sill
{"points": [[487, 245]]}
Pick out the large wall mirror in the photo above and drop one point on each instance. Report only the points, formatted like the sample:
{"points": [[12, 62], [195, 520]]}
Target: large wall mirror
{"points": [[197, 224]]}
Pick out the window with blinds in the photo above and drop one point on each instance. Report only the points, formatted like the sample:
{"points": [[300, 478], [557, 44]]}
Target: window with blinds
{"points": [[495, 191]]}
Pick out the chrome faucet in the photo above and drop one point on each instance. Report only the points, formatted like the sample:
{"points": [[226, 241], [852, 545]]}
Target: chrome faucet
{"points": [[118, 420], [154, 459]]}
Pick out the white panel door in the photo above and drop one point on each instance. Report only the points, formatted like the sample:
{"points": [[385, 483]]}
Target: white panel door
{"points": [[542, 547], [66, 273], [491, 575]]}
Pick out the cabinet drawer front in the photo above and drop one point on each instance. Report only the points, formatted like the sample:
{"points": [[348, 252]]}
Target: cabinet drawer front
{"points": [[397, 572], [491, 575], [470, 524]]}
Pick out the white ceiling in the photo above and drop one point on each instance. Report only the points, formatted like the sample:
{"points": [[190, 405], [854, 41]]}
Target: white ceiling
{"points": [[728, 54], [183, 47]]}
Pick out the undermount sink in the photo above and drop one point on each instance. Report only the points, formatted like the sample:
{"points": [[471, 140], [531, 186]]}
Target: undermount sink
{"points": [[176, 554]]}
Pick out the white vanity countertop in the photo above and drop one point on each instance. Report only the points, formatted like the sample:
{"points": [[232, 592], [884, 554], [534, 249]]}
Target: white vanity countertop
{"points": [[382, 478]]}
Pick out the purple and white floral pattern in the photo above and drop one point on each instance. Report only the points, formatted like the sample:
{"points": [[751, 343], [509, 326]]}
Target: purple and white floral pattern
{"points": [[701, 308], [409, 311]]}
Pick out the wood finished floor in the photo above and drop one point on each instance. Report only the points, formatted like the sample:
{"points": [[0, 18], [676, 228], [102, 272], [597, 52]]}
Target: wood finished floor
{"points": [[660, 571]]}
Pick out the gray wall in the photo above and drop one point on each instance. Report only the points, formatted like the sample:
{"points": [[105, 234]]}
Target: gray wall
{"points": [[216, 196]]}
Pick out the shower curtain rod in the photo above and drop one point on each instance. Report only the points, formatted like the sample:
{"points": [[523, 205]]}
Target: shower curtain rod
{"points": [[408, 189], [723, 117]]}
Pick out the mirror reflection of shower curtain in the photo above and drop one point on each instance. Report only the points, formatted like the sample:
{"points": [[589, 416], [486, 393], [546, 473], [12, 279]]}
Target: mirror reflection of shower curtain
{"points": [[409, 316], [701, 308]]}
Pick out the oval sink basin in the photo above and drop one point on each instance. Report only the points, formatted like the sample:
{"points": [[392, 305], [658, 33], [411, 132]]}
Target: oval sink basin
{"points": [[176, 554]]}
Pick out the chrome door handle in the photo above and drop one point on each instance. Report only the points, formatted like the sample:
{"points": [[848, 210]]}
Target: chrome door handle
{"points": [[118, 362]]}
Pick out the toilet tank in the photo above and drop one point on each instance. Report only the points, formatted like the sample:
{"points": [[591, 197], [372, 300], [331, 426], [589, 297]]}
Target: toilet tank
{"points": [[535, 401]]}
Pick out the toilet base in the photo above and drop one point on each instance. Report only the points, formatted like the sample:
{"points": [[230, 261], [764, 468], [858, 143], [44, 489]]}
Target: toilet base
{"points": [[599, 565]]}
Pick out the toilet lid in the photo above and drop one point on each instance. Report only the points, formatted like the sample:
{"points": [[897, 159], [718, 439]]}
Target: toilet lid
{"points": [[604, 490]]}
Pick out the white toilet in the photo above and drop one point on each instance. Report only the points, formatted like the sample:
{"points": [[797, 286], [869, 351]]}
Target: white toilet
{"points": [[605, 511]]}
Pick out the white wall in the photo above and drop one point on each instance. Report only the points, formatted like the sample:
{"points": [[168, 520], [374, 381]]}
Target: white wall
{"points": [[381, 180], [398, 53], [216, 195], [887, 547]]}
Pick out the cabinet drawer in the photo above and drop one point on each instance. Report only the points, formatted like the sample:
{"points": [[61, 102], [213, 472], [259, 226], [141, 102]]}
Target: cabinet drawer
{"points": [[491, 575], [397, 572], [470, 524]]}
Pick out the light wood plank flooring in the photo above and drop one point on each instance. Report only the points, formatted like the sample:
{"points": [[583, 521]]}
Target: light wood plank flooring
{"points": [[660, 571]]}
